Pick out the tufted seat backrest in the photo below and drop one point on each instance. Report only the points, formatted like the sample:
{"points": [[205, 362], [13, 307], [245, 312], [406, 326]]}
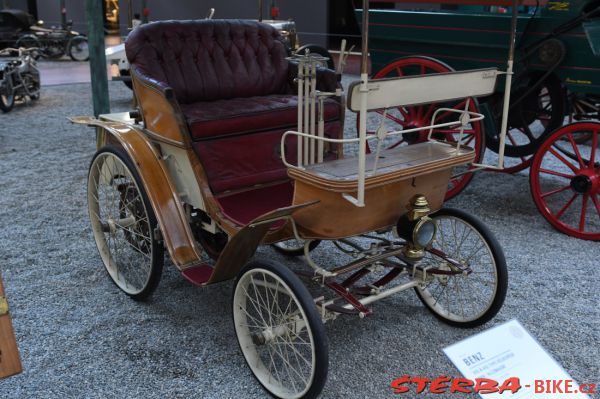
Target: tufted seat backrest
{"points": [[206, 60]]}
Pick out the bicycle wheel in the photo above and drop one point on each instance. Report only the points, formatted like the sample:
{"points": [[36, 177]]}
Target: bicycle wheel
{"points": [[280, 331], [123, 223], [459, 299]]}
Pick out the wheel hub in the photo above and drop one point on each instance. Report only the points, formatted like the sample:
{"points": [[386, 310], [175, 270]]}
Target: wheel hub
{"points": [[586, 181], [414, 137], [581, 184]]}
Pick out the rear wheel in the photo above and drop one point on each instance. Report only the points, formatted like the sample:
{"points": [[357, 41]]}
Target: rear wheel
{"points": [[457, 298], [78, 49], [294, 247], [565, 180], [123, 223], [279, 331], [402, 118]]}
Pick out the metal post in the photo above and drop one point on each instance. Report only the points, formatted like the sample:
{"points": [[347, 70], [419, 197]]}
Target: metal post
{"points": [[93, 10], [63, 13], [364, 90], [129, 14], [508, 83]]}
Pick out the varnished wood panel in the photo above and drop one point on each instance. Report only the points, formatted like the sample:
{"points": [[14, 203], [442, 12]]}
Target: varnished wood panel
{"points": [[334, 217], [10, 363], [160, 115], [161, 191]]}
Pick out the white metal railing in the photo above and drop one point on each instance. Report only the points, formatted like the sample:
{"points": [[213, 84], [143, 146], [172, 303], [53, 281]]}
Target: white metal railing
{"points": [[380, 96]]}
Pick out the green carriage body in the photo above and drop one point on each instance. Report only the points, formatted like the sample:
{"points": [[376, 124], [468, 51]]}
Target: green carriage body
{"points": [[467, 38]]}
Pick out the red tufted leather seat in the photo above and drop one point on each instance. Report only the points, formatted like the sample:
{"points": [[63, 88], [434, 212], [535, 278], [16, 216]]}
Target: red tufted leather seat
{"points": [[236, 92]]}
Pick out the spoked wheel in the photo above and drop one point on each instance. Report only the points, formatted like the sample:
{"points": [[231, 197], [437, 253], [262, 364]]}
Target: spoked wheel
{"points": [[78, 49], [280, 331], [420, 116], [123, 223], [294, 247], [514, 164], [460, 299], [565, 180], [531, 119]]}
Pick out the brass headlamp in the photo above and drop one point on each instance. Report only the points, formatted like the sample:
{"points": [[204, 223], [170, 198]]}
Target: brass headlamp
{"points": [[416, 227]]}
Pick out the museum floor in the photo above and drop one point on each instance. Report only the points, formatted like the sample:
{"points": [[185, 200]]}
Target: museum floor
{"points": [[79, 336]]}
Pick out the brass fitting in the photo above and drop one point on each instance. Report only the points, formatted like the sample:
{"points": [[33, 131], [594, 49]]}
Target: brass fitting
{"points": [[3, 306], [411, 252], [418, 207]]}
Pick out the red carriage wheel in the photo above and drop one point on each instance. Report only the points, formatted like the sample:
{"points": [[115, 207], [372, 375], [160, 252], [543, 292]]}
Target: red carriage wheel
{"points": [[514, 164], [420, 116], [565, 180]]}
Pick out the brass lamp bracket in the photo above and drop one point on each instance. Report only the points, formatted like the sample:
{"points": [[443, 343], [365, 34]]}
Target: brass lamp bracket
{"points": [[418, 207]]}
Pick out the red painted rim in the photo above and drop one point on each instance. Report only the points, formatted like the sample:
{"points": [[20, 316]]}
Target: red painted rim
{"points": [[419, 116], [578, 187]]}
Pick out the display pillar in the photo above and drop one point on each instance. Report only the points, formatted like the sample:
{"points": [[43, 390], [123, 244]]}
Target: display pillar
{"points": [[100, 99]]}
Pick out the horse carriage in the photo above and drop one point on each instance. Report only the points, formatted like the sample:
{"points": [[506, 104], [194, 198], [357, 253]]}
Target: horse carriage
{"points": [[556, 66], [235, 145]]}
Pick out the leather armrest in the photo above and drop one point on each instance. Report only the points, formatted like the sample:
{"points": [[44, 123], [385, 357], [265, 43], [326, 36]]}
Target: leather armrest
{"points": [[160, 110], [161, 87]]}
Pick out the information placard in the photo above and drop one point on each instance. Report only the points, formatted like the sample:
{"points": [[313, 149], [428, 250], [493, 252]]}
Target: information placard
{"points": [[508, 352]]}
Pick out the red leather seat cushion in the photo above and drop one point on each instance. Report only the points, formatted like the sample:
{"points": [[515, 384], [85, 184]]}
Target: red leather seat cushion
{"points": [[241, 161], [245, 206], [247, 115]]}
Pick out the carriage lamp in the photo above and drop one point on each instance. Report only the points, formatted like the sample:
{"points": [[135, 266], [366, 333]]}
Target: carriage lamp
{"points": [[416, 227]]}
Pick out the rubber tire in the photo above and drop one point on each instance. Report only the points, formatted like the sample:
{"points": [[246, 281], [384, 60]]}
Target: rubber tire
{"points": [[318, 50], [501, 270], [6, 107], [296, 252], [158, 249], [312, 315], [71, 45]]}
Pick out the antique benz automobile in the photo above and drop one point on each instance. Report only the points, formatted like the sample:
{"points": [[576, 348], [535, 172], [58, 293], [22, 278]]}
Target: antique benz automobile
{"points": [[19, 77], [557, 61], [236, 144], [12, 23]]}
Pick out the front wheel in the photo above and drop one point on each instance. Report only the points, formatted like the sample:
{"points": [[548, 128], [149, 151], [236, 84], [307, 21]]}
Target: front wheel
{"points": [[123, 223], [280, 331], [7, 94], [78, 49], [457, 298]]}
